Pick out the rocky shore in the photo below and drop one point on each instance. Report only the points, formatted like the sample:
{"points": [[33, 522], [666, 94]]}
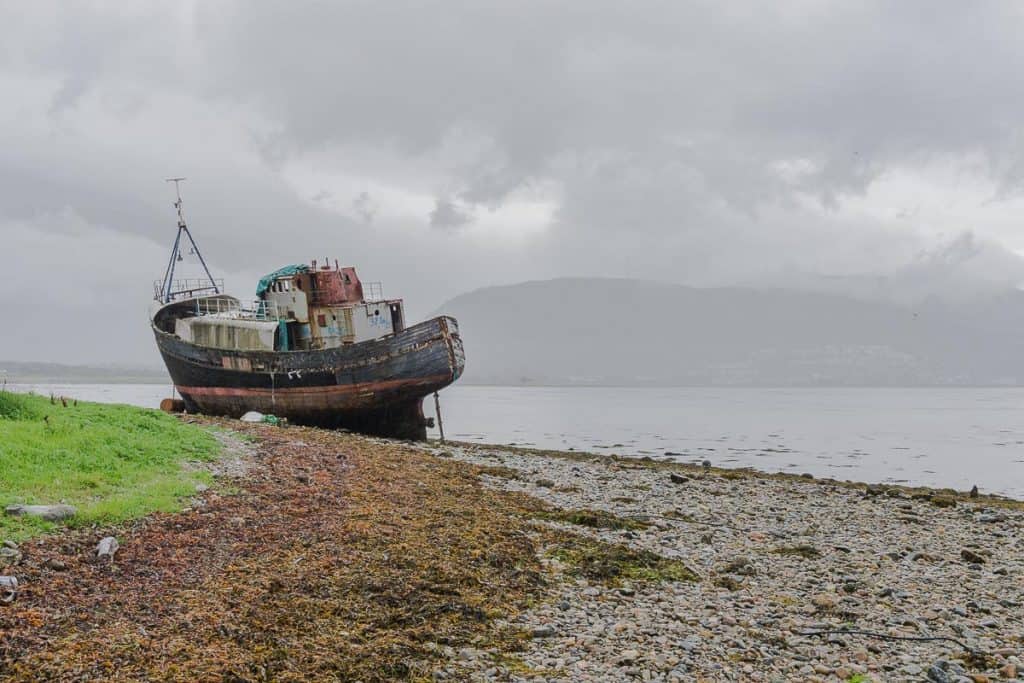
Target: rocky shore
{"points": [[778, 558], [320, 555]]}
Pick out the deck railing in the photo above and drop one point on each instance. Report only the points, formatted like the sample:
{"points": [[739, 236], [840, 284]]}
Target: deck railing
{"points": [[373, 291], [232, 308], [186, 289]]}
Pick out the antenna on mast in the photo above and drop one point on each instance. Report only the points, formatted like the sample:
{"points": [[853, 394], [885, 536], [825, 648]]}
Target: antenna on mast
{"points": [[177, 203], [166, 293]]}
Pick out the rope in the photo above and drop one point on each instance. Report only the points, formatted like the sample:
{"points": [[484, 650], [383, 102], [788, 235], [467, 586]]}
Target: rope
{"points": [[886, 636]]}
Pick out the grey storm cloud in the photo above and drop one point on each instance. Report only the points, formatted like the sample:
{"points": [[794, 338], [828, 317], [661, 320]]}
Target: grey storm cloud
{"points": [[852, 87], [697, 142], [447, 215]]}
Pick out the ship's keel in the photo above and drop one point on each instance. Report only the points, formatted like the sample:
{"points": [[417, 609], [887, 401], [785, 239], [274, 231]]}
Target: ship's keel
{"points": [[399, 420]]}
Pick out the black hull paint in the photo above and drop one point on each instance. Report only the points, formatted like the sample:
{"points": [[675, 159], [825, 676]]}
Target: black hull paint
{"points": [[375, 387]]}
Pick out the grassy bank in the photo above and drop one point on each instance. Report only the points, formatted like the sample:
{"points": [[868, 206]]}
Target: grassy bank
{"points": [[111, 462], [337, 559]]}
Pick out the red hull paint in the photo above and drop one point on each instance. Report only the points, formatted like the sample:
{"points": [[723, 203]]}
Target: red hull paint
{"points": [[319, 392]]}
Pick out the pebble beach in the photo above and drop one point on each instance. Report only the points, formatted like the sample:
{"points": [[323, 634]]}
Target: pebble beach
{"points": [[778, 558], [322, 555]]}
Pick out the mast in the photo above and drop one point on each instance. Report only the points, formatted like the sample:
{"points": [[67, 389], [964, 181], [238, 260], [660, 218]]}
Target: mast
{"points": [[166, 294]]}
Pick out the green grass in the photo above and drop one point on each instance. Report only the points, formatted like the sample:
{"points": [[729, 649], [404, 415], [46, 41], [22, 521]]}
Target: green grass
{"points": [[612, 564], [17, 406], [111, 462]]}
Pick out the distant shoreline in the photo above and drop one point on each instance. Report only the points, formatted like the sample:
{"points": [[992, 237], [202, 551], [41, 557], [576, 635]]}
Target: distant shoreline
{"points": [[142, 380], [35, 372]]}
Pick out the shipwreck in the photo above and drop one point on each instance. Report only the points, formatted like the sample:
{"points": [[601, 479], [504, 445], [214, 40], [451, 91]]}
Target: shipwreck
{"points": [[316, 346]]}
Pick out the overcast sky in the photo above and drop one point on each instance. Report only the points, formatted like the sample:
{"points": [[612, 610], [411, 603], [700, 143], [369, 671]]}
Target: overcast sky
{"points": [[443, 146]]}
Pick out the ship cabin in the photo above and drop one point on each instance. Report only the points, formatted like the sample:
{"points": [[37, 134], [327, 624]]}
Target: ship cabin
{"points": [[298, 308], [326, 307]]}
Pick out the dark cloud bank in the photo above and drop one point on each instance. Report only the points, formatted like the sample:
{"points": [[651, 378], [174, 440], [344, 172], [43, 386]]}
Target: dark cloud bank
{"points": [[866, 149]]}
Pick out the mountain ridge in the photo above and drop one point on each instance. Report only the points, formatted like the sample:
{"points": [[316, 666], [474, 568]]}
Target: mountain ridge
{"points": [[621, 331]]}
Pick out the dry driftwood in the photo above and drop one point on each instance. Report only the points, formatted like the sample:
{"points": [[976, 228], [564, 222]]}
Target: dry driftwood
{"points": [[8, 589], [51, 513]]}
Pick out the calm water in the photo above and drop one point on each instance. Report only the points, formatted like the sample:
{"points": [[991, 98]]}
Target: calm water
{"points": [[935, 437]]}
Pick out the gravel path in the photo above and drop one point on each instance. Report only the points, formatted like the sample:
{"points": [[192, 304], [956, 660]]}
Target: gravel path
{"points": [[777, 557]]}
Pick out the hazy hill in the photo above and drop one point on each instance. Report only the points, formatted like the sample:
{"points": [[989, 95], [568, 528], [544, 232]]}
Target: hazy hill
{"points": [[610, 331]]}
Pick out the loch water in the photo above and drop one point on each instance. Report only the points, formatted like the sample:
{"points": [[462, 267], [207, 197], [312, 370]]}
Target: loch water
{"points": [[941, 437]]}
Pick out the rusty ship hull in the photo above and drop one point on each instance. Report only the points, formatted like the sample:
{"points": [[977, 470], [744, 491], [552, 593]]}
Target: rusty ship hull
{"points": [[374, 387]]}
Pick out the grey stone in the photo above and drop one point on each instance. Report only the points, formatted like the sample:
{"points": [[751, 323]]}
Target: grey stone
{"points": [[971, 556], [8, 589], [107, 547], [50, 513], [9, 555], [990, 517]]}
